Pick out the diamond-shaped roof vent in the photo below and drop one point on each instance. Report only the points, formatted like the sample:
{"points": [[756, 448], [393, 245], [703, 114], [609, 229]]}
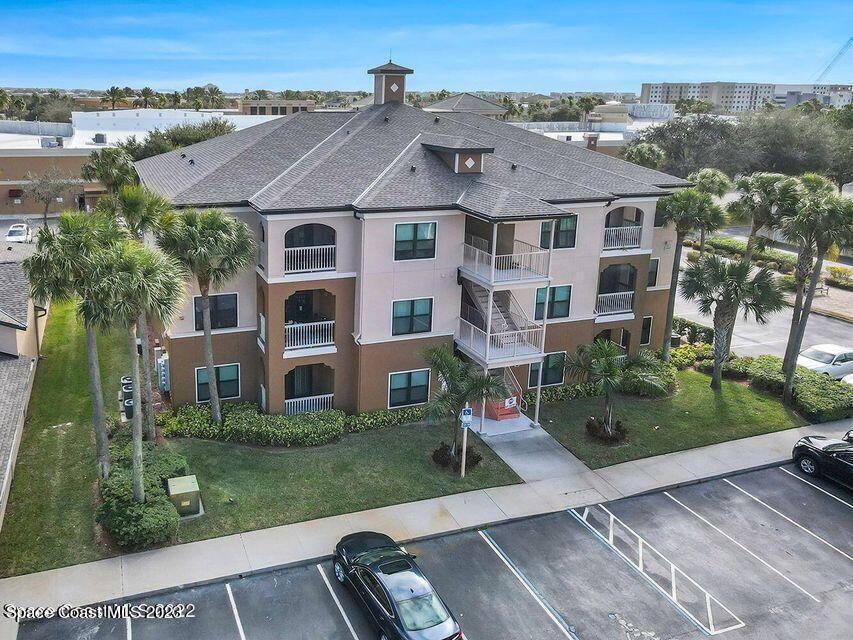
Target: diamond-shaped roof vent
{"points": [[394, 87], [469, 162]]}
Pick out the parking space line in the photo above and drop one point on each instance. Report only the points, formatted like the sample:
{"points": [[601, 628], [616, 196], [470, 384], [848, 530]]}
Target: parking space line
{"points": [[547, 608], [236, 613], [796, 524], [739, 545], [812, 484], [129, 632], [337, 602]]}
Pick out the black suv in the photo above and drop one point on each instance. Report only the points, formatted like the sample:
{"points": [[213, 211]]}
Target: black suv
{"points": [[391, 588], [819, 455]]}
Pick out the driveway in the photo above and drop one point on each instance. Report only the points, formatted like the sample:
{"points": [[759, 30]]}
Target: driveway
{"points": [[764, 554], [753, 339]]}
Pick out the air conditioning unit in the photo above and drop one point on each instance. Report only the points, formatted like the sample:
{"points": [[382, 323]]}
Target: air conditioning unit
{"points": [[100, 138]]}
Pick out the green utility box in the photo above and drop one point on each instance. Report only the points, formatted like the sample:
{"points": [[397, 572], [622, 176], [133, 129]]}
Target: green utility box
{"points": [[183, 492]]}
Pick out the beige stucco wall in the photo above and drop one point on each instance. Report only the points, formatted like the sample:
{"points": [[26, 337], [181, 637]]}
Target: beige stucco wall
{"points": [[346, 228]]}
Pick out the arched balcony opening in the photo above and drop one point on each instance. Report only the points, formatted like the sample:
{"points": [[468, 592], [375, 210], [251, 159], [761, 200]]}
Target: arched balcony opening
{"points": [[309, 387], [309, 320], [309, 248], [623, 228], [616, 289]]}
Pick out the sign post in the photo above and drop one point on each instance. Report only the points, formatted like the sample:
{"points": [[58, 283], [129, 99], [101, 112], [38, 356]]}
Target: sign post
{"points": [[466, 416]]}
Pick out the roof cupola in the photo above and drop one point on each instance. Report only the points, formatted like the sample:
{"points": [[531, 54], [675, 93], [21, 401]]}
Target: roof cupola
{"points": [[389, 82]]}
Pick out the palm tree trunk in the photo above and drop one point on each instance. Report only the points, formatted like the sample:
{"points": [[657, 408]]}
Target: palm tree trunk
{"points": [[723, 319], [803, 273], [44, 217], [148, 393], [701, 243], [138, 487], [608, 414], [215, 409], [788, 389], [102, 443], [673, 292]]}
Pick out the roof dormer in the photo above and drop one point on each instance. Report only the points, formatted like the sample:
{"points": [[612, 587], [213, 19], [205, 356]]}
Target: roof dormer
{"points": [[389, 83], [462, 155]]}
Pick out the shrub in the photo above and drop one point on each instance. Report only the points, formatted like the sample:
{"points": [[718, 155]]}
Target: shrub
{"points": [[787, 283], [243, 423], [595, 429], [840, 277], [704, 351], [735, 368], [563, 392], [692, 256], [785, 262], [683, 356], [384, 418], [131, 524], [663, 370], [760, 263], [765, 373]]}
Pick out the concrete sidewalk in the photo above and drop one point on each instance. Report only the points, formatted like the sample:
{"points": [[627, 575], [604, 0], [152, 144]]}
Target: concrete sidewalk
{"points": [[254, 551]]}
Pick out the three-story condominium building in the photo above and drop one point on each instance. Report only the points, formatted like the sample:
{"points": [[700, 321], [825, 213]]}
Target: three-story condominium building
{"points": [[387, 229]]}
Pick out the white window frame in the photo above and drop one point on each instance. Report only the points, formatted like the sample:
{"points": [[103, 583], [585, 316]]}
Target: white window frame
{"points": [[657, 274], [415, 404], [553, 384], [414, 222], [571, 287], [419, 333], [224, 364], [219, 293], [651, 327]]}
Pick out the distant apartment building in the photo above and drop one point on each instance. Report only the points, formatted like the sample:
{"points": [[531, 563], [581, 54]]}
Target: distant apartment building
{"points": [[273, 107], [388, 229], [734, 97]]}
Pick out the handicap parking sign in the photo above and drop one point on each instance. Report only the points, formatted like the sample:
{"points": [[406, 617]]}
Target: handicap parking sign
{"points": [[466, 415]]}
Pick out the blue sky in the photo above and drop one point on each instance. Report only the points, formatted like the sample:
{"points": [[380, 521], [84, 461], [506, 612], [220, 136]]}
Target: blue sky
{"points": [[478, 44]]}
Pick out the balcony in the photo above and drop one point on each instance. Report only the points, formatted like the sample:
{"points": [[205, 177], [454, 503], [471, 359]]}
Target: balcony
{"points": [[305, 335], [620, 302], [310, 259], [622, 237], [308, 404], [526, 262]]}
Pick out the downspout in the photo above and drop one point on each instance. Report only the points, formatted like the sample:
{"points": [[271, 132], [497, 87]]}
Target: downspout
{"points": [[38, 315]]}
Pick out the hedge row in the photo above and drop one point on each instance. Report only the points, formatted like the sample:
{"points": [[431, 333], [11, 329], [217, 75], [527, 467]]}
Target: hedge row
{"points": [[693, 331], [135, 525], [562, 392], [734, 248], [841, 277]]}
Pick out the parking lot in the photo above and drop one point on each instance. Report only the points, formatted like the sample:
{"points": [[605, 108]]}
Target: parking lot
{"points": [[765, 554]]}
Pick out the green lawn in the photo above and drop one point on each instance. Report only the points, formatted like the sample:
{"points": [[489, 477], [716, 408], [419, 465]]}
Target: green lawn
{"points": [[693, 417], [246, 488], [50, 515]]}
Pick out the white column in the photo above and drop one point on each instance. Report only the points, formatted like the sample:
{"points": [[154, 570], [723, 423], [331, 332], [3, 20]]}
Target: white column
{"points": [[483, 407], [494, 248], [489, 322]]}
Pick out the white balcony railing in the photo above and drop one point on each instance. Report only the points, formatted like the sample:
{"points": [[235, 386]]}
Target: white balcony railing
{"points": [[309, 403], [505, 345], [307, 259], [622, 237], [309, 334], [526, 262], [622, 302]]}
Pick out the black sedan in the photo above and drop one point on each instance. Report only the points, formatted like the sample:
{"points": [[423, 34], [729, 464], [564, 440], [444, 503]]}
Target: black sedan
{"points": [[392, 590], [819, 455]]}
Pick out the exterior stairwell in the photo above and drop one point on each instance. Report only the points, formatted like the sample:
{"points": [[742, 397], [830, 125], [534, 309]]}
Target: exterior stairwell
{"points": [[501, 317]]}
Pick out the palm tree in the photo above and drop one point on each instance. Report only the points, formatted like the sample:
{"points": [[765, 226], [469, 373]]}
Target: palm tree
{"points": [[715, 183], [800, 229], [113, 96], [214, 97], [686, 210], [112, 167], [724, 287], [213, 247], [587, 105], [138, 280], [764, 199], [64, 269], [175, 99], [601, 365], [832, 220], [18, 105], [461, 385], [146, 98], [646, 154], [140, 209], [5, 100]]}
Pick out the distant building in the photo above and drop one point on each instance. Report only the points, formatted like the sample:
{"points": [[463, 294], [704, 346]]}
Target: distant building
{"points": [[468, 103], [740, 96], [831, 95], [273, 107]]}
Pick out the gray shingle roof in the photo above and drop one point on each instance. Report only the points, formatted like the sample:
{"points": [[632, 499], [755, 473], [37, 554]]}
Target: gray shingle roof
{"points": [[14, 287], [390, 67], [363, 160], [467, 103], [15, 374]]}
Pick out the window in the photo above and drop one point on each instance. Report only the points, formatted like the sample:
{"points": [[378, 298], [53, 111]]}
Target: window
{"points": [[414, 241], [559, 301], [274, 111], [552, 373], [412, 316], [227, 382], [564, 235], [646, 332], [408, 388], [223, 311], [376, 590], [262, 111], [654, 263]]}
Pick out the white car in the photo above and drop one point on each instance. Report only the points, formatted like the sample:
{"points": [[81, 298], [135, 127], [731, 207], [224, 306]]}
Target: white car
{"points": [[831, 359], [19, 232], [849, 380]]}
